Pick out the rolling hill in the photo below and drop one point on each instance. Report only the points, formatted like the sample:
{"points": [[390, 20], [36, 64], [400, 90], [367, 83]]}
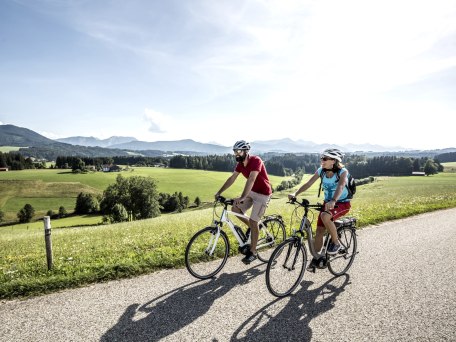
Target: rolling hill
{"points": [[36, 145]]}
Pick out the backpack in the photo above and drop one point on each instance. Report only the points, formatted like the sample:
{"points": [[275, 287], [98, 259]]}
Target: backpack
{"points": [[351, 183]]}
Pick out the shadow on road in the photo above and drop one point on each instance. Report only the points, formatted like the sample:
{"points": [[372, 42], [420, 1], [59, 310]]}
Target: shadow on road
{"points": [[175, 309], [292, 323]]}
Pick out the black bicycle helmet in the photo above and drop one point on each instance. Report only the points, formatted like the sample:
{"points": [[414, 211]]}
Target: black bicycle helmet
{"points": [[241, 145], [333, 153]]}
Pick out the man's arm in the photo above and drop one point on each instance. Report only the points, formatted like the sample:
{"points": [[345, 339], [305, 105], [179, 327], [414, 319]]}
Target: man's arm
{"points": [[249, 184], [227, 183]]}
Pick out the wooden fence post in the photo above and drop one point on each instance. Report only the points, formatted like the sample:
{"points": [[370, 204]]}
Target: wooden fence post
{"points": [[47, 239]]}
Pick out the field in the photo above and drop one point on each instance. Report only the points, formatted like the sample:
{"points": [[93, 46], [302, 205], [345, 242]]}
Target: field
{"points": [[449, 167], [48, 189], [98, 253], [6, 149]]}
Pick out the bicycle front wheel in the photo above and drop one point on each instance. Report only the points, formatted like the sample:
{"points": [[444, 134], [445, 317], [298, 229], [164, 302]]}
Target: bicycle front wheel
{"points": [[286, 267], [272, 234], [342, 261], [207, 252]]}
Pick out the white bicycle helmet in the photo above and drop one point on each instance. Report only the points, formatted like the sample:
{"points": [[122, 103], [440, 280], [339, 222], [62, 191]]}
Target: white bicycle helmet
{"points": [[241, 145], [333, 153]]}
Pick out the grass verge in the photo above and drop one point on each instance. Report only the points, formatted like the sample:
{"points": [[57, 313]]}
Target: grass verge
{"points": [[99, 253]]}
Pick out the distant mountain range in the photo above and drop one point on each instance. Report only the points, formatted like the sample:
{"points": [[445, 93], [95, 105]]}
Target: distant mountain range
{"points": [[174, 146], [11, 135], [93, 142], [278, 146]]}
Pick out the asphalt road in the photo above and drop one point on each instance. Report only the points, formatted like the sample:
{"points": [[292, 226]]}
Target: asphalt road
{"points": [[402, 287]]}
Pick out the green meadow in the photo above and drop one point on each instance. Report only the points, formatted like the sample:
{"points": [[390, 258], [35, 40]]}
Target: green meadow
{"points": [[88, 254], [6, 149], [48, 189], [449, 167]]}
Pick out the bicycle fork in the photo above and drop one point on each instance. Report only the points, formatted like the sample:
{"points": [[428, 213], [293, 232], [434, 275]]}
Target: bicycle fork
{"points": [[294, 258], [212, 242]]}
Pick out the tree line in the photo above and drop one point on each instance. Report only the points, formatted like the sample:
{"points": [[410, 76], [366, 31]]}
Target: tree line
{"points": [[292, 164], [16, 161], [75, 162], [447, 157], [279, 165]]}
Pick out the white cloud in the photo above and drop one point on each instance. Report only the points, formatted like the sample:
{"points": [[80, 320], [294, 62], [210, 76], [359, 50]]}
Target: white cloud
{"points": [[158, 122], [50, 135]]}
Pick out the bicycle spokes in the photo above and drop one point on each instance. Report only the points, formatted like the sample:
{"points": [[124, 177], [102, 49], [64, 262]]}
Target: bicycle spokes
{"points": [[286, 268], [341, 262]]}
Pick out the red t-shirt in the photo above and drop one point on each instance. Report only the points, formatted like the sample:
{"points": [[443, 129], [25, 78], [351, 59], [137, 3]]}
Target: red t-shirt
{"points": [[261, 184]]}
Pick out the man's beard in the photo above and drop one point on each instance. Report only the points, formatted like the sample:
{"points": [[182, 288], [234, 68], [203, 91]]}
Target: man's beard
{"points": [[240, 158]]}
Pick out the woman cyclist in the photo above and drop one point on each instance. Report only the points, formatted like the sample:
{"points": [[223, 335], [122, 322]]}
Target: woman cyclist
{"points": [[336, 203]]}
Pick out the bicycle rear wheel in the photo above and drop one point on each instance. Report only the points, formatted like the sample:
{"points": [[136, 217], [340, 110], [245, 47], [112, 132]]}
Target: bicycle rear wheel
{"points": [[286, 267], [269, 237], [207, 252], [342, 261]]}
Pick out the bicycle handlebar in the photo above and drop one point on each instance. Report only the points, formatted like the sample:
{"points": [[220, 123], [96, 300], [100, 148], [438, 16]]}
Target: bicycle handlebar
{"points": [[223, 200], [305, 203]]}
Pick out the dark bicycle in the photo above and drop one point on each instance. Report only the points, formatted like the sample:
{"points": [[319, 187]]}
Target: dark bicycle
{"points": [[288, 262]]}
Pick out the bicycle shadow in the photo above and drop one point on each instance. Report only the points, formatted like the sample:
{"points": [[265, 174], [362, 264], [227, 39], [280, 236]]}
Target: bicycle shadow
{"points": [[292, 323], [172, 311]]}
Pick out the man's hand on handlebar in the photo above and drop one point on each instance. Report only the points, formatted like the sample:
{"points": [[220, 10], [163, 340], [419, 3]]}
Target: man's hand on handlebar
{"points": [[238, 201]]}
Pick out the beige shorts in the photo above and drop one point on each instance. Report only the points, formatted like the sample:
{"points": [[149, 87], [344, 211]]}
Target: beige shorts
{"points": [[257, 202]]}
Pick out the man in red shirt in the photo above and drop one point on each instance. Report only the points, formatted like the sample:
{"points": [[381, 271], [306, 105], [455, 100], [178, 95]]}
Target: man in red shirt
{"points": [[256, 194]]}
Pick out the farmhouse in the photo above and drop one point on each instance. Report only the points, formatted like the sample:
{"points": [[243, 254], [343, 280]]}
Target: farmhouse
{"points": [[418, 173], [110, 168]]}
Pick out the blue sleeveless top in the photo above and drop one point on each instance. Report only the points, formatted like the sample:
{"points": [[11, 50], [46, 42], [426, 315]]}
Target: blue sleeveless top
{"points": [[329, 186]]}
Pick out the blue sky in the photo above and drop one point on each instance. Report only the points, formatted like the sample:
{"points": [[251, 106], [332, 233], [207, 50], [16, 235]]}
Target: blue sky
{"points": [[379, 72]]}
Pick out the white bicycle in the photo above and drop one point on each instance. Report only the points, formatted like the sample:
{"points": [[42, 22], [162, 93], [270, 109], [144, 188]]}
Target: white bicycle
{"points": [[208, 250]]}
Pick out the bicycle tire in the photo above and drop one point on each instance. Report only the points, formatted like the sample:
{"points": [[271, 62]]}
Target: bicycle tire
{"points": [[199, 263], [340, 263], [275, 227], [281, 278]]}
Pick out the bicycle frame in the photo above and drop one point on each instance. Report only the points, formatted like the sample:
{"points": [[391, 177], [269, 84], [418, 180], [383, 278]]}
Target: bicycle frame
{"points": [[224, 218], [306, 227]]}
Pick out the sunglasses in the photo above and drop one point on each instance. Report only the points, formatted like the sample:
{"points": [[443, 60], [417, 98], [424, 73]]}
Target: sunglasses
{"points": [[325, 158], [238, 151]]}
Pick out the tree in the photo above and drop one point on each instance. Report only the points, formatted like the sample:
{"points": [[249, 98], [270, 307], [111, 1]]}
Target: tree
{"points": [[137, 194], [197, 201], [2, 215], [118, 213], [430, 168], [2, 160], [78, 164], [62, 212], [26, 213], [86, 204]]}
